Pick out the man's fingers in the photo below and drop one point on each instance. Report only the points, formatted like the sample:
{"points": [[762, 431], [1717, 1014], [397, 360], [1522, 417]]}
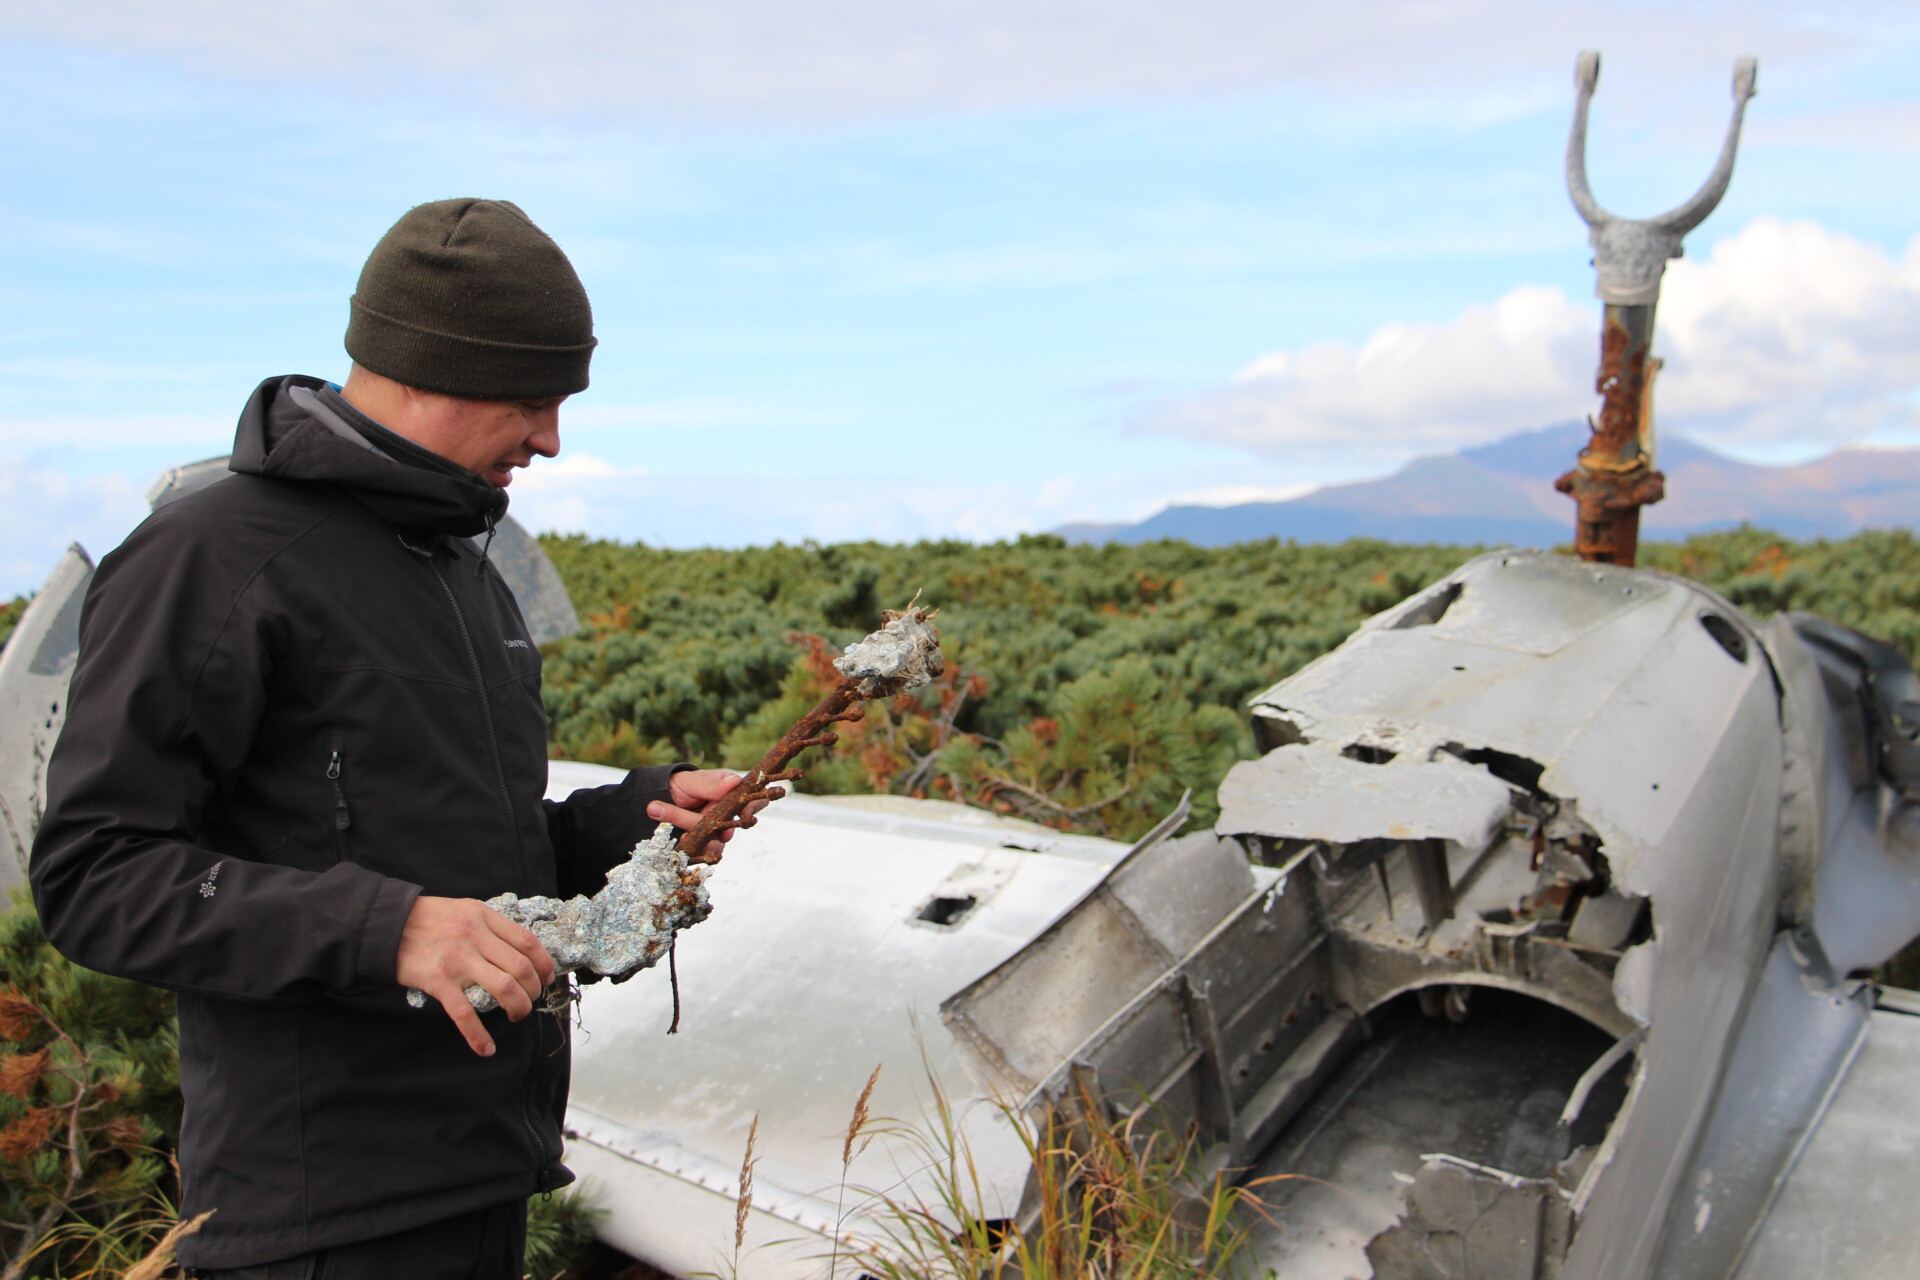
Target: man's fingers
{"points": [[699, 787], [450, 944], [509, 992], [454, 1001], [685, 819], [523, 940], [519, 969]]}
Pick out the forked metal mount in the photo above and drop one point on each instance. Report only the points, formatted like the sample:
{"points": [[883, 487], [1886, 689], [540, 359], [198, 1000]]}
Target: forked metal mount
{"points": [[1631, 256]]}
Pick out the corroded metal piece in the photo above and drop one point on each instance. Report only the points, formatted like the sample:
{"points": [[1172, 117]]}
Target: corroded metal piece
{"points": [[626, 927], [1615, 477]]}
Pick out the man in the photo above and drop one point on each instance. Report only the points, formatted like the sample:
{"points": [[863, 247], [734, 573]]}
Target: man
{"points": [[305, 738]]}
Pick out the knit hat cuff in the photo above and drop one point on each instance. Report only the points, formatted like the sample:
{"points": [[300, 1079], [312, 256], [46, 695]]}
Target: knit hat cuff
{"points": [[474, 368]]}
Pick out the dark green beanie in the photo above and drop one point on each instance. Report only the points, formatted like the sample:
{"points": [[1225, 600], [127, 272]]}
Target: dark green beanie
{"points": [[469, 298]]}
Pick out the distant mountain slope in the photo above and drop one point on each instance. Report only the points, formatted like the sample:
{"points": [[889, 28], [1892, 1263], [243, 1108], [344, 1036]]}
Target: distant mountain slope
{"points": [[1503, 493]]}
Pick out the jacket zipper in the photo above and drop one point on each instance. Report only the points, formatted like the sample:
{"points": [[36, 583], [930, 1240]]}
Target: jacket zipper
{"points": [[506, 798], [486, 713], [342, 816]]}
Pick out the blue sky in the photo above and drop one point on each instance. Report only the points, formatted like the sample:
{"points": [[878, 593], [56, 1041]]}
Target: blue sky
{"points": [[952, 269]]}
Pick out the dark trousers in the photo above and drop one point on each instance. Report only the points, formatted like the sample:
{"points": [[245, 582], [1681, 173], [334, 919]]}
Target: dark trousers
{"points": [[488, 1244]]}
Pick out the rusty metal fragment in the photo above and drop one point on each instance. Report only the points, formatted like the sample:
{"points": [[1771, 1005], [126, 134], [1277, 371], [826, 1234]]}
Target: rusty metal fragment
{"points": [[1615, 477], [904, 654]]}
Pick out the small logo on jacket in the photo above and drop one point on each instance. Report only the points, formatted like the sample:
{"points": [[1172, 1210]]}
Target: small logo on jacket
{"points": [[518, 644], [213, 873]]}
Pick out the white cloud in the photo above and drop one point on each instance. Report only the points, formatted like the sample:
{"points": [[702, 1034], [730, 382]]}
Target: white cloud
{"points": [[694, 511], [43, 510], [1233, 495], [774, 60], [1788, 338], [1791, 335]]}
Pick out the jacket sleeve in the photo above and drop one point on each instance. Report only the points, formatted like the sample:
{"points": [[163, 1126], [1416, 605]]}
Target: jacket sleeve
{"points": [[595, 828], [168, 691]]}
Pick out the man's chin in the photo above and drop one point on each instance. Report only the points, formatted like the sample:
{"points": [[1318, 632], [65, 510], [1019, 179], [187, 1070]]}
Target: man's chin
{"points": [[498, 479]]}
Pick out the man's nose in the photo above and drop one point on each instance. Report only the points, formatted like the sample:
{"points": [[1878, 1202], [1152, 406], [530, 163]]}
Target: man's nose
{"points": [[545, 439]]}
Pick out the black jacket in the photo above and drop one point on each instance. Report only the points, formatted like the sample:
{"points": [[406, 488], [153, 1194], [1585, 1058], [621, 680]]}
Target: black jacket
{"points": [[302, 699]]}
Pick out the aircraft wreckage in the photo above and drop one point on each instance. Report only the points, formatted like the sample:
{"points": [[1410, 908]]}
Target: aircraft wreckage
{"points": [[1535, 939]]}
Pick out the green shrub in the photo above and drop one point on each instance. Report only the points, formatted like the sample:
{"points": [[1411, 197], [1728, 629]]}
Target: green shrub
{"points": [[89, 1112]]}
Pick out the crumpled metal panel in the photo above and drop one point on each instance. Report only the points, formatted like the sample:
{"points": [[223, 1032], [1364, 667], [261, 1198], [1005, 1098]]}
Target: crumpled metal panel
{"points": [[1412, 689], [1621, 711], [35, 668], [813, 969], [1865, 894], [1181, 896], [1470, 1222], [1311, 792], [1655, 706], [1176, 984]]}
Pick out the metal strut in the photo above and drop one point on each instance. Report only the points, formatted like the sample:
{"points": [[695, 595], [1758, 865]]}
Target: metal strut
{"points": [[1614, 477]]}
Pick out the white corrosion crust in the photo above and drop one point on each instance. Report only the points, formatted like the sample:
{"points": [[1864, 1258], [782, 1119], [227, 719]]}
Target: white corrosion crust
{"points": [[902, 655], [626, 927]]}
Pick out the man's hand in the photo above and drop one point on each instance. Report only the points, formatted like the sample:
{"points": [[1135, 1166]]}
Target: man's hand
{"points": [[450, 944], [692, 791]]}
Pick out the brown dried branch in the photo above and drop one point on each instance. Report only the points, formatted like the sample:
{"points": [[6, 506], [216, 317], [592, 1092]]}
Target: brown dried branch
{"points": [[1043, 799]]}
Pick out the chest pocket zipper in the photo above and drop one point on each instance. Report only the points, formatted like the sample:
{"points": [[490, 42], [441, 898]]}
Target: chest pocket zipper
{"points": [[342, 816]]}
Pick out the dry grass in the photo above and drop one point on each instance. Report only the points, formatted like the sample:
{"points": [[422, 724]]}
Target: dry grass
{"points": [[743, 1203], [1109, 1199], [155, 1265]]}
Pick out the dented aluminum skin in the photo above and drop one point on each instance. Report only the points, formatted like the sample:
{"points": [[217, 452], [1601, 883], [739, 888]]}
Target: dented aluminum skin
{"points": [[1705, 839], [838, 926]]}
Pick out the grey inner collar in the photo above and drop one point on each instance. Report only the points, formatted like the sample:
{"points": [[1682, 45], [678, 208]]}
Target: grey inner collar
{"points": [[324, 414]]}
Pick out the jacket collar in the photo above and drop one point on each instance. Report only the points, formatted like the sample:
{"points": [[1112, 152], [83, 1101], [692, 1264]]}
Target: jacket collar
{"points": [[404, 483]]}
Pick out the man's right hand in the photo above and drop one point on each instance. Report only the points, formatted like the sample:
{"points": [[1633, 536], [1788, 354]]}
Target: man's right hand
{"points": [[450, 944]]}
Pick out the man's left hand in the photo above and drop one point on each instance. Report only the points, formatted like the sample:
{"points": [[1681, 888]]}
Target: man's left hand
{"points": [[692, 792]]}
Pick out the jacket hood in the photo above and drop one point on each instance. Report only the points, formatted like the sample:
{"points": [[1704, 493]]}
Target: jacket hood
{"points": [[403, 483]]}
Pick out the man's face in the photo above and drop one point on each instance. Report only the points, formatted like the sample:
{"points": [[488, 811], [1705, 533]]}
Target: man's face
{"points": [[491, 437]]}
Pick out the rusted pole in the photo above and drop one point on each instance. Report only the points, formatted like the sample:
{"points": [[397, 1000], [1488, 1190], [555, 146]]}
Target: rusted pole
{"points": [[1615, 475]]}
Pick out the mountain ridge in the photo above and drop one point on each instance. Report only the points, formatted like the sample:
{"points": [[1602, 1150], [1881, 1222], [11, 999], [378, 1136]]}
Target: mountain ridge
{"points": [[1503, 493]]}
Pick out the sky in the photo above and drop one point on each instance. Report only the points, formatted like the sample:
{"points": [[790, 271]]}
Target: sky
{"points": [[961, 268]]}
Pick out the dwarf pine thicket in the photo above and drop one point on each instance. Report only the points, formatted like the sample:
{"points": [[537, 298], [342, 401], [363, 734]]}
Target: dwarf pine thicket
{"points": [[1086, 686]]}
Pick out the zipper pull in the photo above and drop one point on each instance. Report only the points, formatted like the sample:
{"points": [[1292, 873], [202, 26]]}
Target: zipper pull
{"points": [[342, 818]]}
